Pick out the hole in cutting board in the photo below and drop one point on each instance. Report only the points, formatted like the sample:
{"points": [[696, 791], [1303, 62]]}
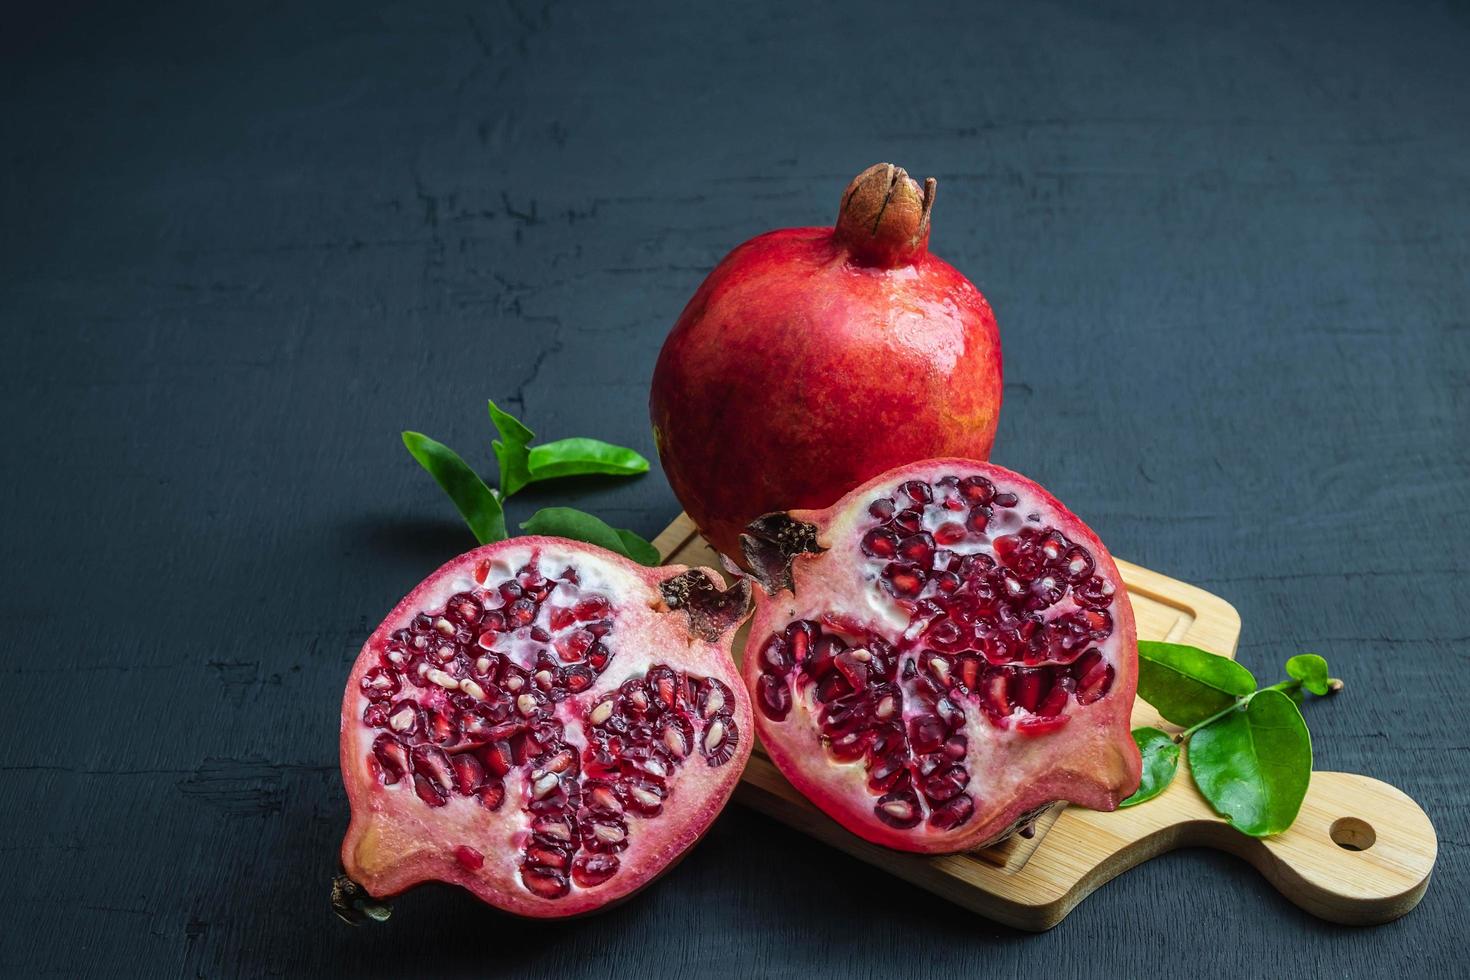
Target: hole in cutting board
{"points": [[1352, 834]]}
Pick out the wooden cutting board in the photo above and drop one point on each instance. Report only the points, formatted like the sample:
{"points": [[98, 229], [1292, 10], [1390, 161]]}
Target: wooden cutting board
{"points": [[1360, 852]]}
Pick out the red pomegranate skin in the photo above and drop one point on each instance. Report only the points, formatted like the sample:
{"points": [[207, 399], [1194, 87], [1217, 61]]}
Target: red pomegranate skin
{"points": [[812, 359]]}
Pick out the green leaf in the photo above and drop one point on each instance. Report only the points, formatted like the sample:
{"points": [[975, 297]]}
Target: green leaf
{"points": [[1311, 670], [565, 522], [578, 457], [1160, 761], [511, 453], [1254, 765], [476, 502], [1186, 684]]}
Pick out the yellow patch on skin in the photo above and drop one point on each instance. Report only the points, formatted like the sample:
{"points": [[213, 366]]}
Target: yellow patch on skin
{"points": [[383, 847], [369, 852]]}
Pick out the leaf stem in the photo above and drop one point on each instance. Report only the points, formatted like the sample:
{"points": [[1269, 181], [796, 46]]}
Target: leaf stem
{"points": [[1239, 703], [1334, 685]]}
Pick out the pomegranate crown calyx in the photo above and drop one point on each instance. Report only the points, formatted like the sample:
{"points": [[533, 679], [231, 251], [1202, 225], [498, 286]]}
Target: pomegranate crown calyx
{"points": [[884, 219]]}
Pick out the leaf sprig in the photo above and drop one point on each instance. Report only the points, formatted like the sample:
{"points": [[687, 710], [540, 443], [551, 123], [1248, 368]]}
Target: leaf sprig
{"points": [[1249, 749], [520, 464]]}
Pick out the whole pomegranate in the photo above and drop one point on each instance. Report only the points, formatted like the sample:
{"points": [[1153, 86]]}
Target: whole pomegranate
{"points": [[943, 653], [813, 359], [543, 723]]}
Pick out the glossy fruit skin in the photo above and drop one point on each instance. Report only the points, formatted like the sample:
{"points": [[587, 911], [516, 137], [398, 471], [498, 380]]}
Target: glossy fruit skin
{"points": [[1092, 761], [801, 369], [393, 843]]}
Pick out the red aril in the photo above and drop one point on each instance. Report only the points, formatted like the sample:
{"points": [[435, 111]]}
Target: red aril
{"points": [[544, 723], [942, 653], [812, 359]]}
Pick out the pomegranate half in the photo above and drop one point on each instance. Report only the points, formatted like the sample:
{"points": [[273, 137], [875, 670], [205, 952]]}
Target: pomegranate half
{"points": [[942, 653], [544, 723], [812, 359]]}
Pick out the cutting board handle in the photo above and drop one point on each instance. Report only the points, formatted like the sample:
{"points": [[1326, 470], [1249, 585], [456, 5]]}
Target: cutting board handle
{"points": [[1360, 852]]}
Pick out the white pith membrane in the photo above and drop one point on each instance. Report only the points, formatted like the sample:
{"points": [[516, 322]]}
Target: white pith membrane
{"points": [[938, 729], [529, 761]]}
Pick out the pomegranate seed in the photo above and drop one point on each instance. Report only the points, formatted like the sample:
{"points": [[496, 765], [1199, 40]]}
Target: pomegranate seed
{"points": [[443, 727], [644, 797], [977, 490], [946, 582], [898, 809], [939, 667], [853, 666], [882, 509], [918, 491], [499, 758], [432, 775], [850, 747], [926, 733], [468, 772], [1006, 499], [375, 715], [969, 672], [952, 813], [909, 521], [1094, 677], [950, 533], [880, 543], [406, 718], [463, 608], [955, 747], [560, 617], [1026, 688], [545, 882], [993, 691], [904, 581], [1040, 724], [1095, 593], [678, 736], [774, 697], [600, 797], [1099, 623], [520, 612], [1045, 591], [720, 739], [713, 697], [605, 835], [597, 656], [947, 783], [885, 772], [379, 684], [592, 607], [391, 756], [917, 549], [469, 858], [577, 679], [664, 685], [591, 870], [556, 827], [543, 856]]}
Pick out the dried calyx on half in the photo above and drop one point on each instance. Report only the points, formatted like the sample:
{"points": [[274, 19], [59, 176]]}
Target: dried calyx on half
{"points": [[940, 655], [543, 723]]}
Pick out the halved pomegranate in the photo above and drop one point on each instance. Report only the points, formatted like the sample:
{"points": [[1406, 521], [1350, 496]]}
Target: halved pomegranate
{"points": [[943, 653], [543, 723]]}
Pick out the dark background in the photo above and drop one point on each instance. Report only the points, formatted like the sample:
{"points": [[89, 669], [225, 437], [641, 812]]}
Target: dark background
{"points": [[1229, 248]]}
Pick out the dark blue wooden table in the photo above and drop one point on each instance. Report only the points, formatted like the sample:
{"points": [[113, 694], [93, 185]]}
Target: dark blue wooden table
{"points": [[240, 249]]}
